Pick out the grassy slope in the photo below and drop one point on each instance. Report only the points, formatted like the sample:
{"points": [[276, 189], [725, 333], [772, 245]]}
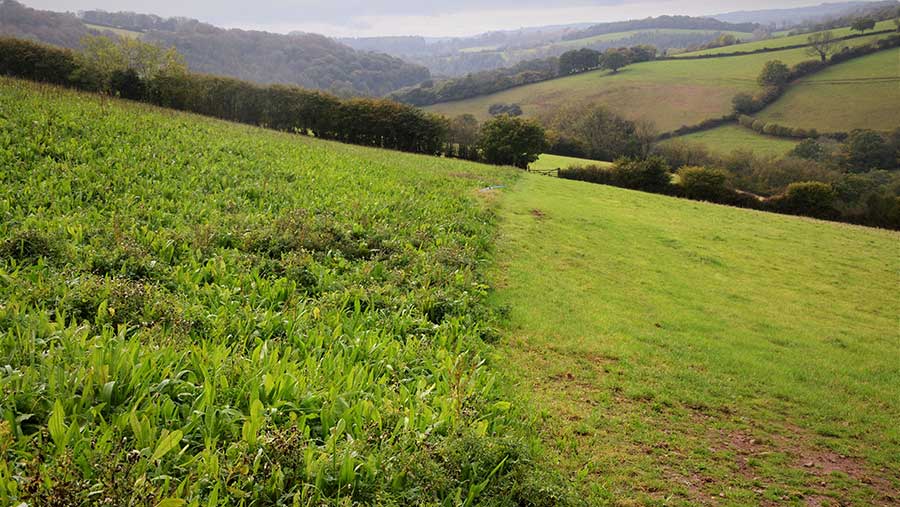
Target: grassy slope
{"points": [[548, 161], [195, 308], [685, 353], [861, 93], [671, 93], [727, 138], [792, 40]]}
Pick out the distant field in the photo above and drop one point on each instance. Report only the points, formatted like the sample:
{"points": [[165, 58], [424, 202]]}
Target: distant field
{"points": [[792, 40], [120, 31], [860, 93], [587, 41], [671, 93], [685, 354], [727, 138], [548, 161]]}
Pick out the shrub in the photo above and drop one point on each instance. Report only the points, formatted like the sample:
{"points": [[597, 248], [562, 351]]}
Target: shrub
{"points": [[679, 152], [770, 129], [703, 183], [650, 174], [743, 103], [809, 198], [506, 140], [774, 73], [746, 121], [808, 149], [758, 125]]}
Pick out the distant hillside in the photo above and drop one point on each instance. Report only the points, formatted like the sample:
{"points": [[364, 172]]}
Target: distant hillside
{"points": [[798, 15], [459, 56], [61, 29], [681, 22], [308, 60]]}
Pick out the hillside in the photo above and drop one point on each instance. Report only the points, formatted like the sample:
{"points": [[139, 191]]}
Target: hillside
{"points": [[308, 60], [682, 353], [861, 93], [785, 41], [211, 311], [454, 57], [670, 93]]}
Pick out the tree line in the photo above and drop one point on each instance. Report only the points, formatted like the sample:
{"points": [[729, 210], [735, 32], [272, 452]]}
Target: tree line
{"points": [[136, 70]]}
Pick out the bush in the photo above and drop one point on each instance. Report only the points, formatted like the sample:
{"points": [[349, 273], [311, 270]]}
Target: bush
{"points": [[703, 183], [758, 125], [808, 149], [746, 121], [743, 104], [809, 198], [506, 140], [650, 174], [774, 73]]}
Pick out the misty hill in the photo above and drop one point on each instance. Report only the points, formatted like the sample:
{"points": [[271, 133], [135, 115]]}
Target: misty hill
{"points": [[660, 22], [458, 56], [308, 60], [798, 15]]}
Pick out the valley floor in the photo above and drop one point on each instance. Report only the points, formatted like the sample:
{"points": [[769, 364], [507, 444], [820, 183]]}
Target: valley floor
{"points": [[682, 353]]}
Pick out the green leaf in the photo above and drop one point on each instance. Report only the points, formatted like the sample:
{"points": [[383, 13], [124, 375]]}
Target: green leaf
{"points": [[171, 502], [168, 442], [57, 426]]}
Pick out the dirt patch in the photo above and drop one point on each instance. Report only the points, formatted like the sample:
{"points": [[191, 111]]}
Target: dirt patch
{"points": [[822, 465], [536, 213]]}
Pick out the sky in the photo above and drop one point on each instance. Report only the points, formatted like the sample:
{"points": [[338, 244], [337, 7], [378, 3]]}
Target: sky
{"points": [[363, 18]]}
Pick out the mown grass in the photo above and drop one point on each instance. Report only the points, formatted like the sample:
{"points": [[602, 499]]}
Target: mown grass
{"points": [[790, 40], [860, 93], [728, 138], [670, 93], [684, 353], [201, 313], [549, 161]]}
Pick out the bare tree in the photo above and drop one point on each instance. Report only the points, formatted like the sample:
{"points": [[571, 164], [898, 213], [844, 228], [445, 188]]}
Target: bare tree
{"points": [[822, 44]]}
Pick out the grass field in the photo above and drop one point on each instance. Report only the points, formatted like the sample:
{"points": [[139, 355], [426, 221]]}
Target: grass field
{"points": [[194, 312], [727, 138], [860, 93], [548, 161], [670, 93], [683, 353], [791, 40]]}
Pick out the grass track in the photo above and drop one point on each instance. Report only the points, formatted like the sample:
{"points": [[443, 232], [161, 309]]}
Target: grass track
{"points": [[684, 353]]}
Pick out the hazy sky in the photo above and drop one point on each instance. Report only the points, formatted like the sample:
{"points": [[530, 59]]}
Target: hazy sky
{"points": [[410, 17]]}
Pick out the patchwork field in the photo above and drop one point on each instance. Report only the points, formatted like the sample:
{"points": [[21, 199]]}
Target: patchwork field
{"points": [[682, 353], [860, 93], [789, 40], [671, 93], [727, 138]]}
